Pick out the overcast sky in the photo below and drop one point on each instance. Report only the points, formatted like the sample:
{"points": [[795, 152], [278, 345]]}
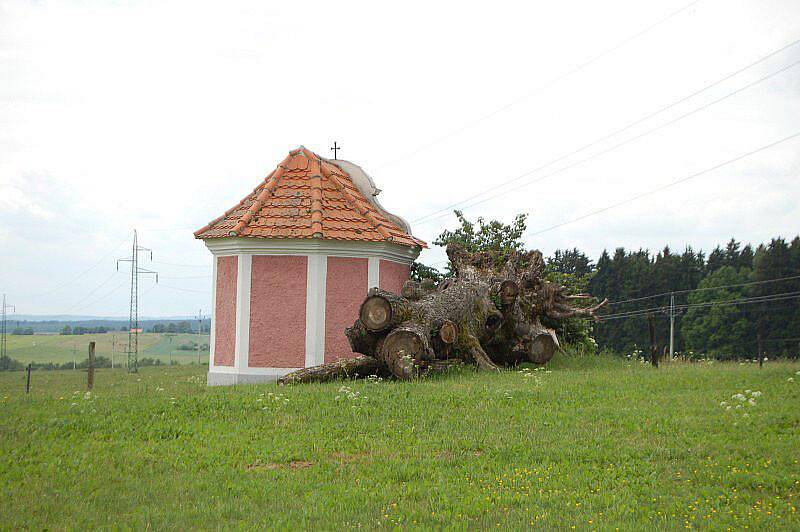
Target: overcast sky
{"points": [[161, 115]]}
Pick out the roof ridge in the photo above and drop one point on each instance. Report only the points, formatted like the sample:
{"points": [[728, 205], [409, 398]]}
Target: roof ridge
{"points": [[355, 203], [316, 197], [261, 198]]}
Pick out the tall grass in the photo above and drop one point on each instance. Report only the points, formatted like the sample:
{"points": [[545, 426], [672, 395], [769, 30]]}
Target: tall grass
{"points": [[590, 443]]}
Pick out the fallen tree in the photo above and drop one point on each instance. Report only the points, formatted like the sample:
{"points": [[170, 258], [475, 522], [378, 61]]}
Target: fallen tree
{"points": [[485, 314]]}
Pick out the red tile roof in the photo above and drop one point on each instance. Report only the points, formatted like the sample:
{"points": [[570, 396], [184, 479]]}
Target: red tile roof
{"points": [[308, 197]]}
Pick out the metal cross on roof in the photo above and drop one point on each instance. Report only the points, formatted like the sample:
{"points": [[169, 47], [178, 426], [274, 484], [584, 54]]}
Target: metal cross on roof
{"points": [[335, 149]]}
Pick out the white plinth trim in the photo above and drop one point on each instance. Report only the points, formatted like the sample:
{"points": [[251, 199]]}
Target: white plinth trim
{"points": [[229, 376], [243, 284], [373, 272], [255, 371], [316, 281]]}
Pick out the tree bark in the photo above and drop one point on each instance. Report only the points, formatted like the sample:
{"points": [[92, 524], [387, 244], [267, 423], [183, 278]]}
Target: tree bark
{"points": [[344, 368]]}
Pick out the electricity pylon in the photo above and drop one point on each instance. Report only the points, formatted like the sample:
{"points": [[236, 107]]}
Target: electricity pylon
{"points": [[133, 319], [3, 325]]}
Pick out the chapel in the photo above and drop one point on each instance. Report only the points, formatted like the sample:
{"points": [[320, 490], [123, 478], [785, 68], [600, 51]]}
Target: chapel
{"points": [[293, 261]]}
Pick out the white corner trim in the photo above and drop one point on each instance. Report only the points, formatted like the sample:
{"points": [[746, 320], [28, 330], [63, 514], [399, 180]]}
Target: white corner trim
{"points": [[212, 330], [308, 246], [373, 272], [316, 281], [243, 284]]}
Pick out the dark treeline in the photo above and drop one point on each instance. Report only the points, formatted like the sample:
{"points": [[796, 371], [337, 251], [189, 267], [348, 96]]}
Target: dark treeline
{"points": [[704, 327]]}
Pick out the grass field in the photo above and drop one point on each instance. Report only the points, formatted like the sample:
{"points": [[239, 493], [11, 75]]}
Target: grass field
{"points": [[588, 444], [61, 349]]}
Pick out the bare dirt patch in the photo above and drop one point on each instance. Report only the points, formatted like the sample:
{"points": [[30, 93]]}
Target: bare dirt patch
{"points": [[293, 465]]}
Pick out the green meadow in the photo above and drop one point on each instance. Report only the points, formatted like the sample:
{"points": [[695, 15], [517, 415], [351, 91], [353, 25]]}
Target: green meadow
{"points": [[68, 348], [585, 443]]}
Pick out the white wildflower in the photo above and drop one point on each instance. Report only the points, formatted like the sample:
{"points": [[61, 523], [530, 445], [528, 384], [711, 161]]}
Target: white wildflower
{"points": [[756, 394], [751, 402]]}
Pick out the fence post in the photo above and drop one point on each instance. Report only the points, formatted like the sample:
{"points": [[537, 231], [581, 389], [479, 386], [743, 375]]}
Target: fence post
{"points": [[90, 369], [651, 322], [28, 378], [760, 350]]}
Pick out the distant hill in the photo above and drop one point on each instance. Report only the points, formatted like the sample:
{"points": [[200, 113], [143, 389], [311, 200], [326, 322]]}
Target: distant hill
{"points": [[73, 318], [55, 323]]}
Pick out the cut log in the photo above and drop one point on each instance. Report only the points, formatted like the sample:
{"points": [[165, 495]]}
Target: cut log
{"points": [[383, 309], [542, 349], [344, 368], [405, 351], [447, 331]]}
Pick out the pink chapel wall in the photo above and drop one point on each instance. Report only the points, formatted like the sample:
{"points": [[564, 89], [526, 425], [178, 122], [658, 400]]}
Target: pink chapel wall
{"points": [[346, 286], [393, 275], [225, 311], [278, 311]]}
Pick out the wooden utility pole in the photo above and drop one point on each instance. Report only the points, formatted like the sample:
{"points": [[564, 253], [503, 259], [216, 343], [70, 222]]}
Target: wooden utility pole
{"points": [[28, 379], [90, 369]]}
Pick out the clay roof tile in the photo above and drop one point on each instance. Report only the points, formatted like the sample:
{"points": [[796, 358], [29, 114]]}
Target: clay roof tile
{"points": [[308, 197]]}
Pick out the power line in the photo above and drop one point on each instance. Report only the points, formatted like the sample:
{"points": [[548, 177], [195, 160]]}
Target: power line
{"points": [[101, 298], [445, 211], [676, 292], [663, 309], [84, 272], [738, 301], [184, 289], [186, 277], [88, 295], [541, 88], [182, 265], [668, 185]]}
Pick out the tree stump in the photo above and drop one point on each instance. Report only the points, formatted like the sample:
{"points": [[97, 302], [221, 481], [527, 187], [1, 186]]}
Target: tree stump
{"points": [[484, 315]]}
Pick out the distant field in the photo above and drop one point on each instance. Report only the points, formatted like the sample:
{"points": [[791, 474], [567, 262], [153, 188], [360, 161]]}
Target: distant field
{"points": [[588, 443], [66, 348]]}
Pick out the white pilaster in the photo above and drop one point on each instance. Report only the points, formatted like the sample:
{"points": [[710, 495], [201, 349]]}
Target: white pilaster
{"points": [[316, 281], [243, 283], [373, 272], [211, 332]]}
